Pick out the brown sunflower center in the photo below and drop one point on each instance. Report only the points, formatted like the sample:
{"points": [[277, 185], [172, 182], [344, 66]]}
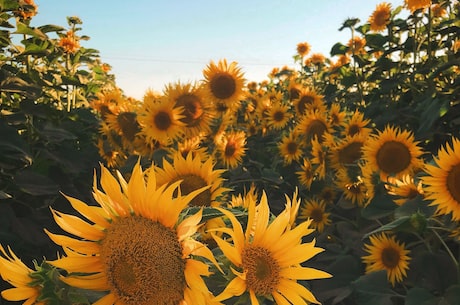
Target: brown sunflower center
{"points": [[230, 149], [350, 153], [316, 128], [294, 93], [128, 124], [143, 262], [193, 109], [390, 257], [192, 183], [292, 148], [278, 116], [304, 101], [453, 182], [317, 215], [223, 86], [393, 157], [354, 129], [262, 270], [162, 120]]}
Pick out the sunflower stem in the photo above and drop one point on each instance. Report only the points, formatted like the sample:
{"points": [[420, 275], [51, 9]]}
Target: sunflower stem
{"points": [[447, 249]]}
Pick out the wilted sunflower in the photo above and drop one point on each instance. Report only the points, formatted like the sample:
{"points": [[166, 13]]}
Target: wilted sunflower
{"points": [[15, 272], [307, 99], [392, 152], [195, 174], [404, 189], [316, 211], [224, 83], [380, 17], [231, 147], [134, 245], [267, 257], [161, 121], [290, 148], [313, 124], [414, 5], [443, 180], [197, 111], [385, 253], [306, 175], [278, 116]]}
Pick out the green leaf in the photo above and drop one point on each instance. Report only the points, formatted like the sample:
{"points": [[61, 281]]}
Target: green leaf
{"points": [[373, 289], [338, 49], [420, 296], [55, 135], [35, 184], [23, 28], [50, 28], [396, 225], [380, 206]]}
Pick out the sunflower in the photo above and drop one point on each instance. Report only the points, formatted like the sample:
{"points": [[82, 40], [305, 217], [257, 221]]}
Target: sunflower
{"points": [[306, 175], [224, 83], [356, 124], [336, 115], [107, 102], [303, 48], [347, 152], [308, 98], [290, 148], [195, 174], [267, 257], [125, 121], [190, 146], [414, 5], [380, 17], [313, 124], [318, 159], [69, 43], [15, 272], [278, 116], [392, 152], [316, 211], [113, 156], [243, 200], [386, 253], [133, 244], [356, 45], [315, 59], [231, 147], [443, 180], [353, 188], [161, 121], [404, 189], [198, 112]]}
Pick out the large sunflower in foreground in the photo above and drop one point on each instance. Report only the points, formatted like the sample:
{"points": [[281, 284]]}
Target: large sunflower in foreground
{"points": [[224, 83], [133, 244], [393, 152], [386, 253], [194, 174], [443, 180], [15, 272], [267, 257]]}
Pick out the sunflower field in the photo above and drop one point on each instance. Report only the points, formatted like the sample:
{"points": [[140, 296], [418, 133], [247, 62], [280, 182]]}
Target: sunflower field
{"points": [[335, 181]]}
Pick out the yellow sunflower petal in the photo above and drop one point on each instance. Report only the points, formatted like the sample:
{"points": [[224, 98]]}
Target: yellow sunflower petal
{"points": [[288, 297], [77, 226], [80, 246], [303, 273], [236, 287], [94, 214], [288, 285], [230, 252], [77, 264], [19, 293], [93, 282]]}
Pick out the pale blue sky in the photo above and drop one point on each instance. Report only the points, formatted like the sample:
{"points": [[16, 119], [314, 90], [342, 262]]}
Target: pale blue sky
{"points": [[151, 43]]}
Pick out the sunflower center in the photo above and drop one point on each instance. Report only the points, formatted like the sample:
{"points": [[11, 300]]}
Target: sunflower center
{"points": [[128, 124], [353, 129], [230, 149], [317, 215], [304, 102], [162, 120], [453, 182], [350, 153], [393, 157], [192, 108], [143, 262], [390, 258], [316, 128], [292, 148], [192, 183], [262, 270], [278, 116], [223, 86], [294, 93]]}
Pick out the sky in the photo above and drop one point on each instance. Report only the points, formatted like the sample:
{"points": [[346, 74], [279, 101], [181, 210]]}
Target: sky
{"points": [[152, 43]]}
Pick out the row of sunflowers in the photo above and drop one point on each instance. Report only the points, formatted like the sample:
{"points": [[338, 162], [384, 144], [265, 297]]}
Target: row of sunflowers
{"points": [[336, 181]]}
